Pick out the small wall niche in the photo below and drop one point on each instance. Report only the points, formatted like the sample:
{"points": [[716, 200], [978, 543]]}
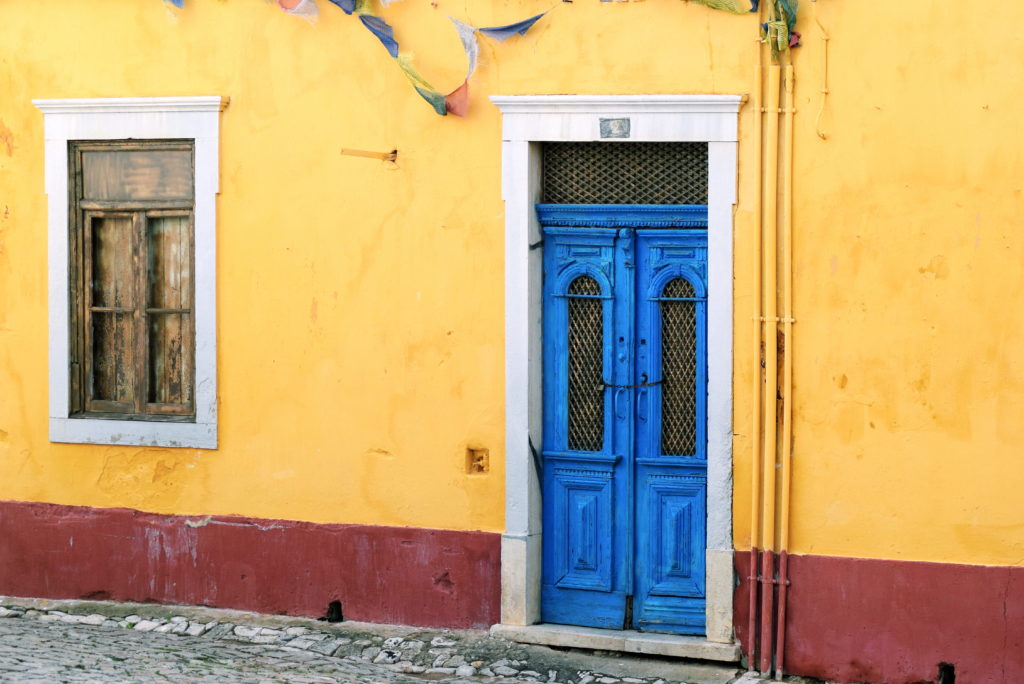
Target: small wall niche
{"points": [[478, 461]]}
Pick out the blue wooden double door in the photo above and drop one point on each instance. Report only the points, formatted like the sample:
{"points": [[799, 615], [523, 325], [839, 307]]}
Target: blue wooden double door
{"points": [[624, 466]]}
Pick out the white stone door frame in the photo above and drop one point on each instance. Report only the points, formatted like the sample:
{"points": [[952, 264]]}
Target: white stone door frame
{"points": [[532, 119]]}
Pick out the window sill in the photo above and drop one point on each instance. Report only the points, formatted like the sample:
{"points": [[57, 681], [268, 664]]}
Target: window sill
{"points": [[140, 418], [133, 432]]}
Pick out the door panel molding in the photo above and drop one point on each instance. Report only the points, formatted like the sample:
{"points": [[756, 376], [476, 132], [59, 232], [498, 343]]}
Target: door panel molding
{"points": [[583, 559]]}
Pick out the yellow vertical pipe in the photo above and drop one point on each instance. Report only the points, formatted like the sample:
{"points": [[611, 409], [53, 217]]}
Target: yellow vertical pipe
{"points": [[756, 381], [755, 431], [786, 473], [771, 225], [787, 310]]}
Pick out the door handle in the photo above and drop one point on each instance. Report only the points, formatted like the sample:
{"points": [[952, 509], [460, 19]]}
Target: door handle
{"points": [[641, 404], [619, 409]]}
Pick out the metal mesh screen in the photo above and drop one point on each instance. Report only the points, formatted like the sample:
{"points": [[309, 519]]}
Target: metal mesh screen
{"points": [[586, 393], [679, 370], [625, 173]]}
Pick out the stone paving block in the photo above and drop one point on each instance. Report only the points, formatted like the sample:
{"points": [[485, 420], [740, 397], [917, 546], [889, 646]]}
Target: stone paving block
{"points": [[505, 670], [302, 642], [442, 641], [326, 646], [412, 645], [220, 631]]}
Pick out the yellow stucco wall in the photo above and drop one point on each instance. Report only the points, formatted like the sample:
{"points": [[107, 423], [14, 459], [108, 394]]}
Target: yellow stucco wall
{"points": [[360, 308], [910, 286]]}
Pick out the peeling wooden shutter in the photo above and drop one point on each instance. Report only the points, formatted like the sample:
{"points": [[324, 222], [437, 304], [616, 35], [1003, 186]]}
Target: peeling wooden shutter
{"points": [[169, 312], [133, 351]]}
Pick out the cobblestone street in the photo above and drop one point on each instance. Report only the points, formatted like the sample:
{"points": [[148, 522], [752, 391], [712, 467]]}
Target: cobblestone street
{"points": [[50, 641], [34, 651]]}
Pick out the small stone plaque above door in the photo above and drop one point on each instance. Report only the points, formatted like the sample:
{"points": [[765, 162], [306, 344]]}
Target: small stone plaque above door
{"points": [[615, 128]]}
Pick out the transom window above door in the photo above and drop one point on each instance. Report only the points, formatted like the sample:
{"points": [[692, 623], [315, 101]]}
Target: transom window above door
{"points": [[624, 173]]}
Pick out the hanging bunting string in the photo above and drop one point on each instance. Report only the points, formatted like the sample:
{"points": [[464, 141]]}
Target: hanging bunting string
{"points": [[457, 101], [502, 33], [778, 32], [420, 84], [380, 28], [306, 9]]}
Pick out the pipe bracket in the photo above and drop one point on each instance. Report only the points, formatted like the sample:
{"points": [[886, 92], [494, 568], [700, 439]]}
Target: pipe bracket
{"points": [[773, 580]]}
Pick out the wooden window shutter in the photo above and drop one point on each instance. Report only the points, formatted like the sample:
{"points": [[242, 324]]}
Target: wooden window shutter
{"points": [[168, 330], [133, 347]]}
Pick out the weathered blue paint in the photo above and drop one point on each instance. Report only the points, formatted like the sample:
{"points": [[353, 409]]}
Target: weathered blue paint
{"points": [[623, 525], [624, 215], [670, 491]]}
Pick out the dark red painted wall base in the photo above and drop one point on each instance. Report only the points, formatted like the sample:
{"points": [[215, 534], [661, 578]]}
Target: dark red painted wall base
{"points": [[434, 578], [863, 620]]}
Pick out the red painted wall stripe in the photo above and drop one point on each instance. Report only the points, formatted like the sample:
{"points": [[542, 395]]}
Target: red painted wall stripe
{"points": [[893, 622], [432, 578]]}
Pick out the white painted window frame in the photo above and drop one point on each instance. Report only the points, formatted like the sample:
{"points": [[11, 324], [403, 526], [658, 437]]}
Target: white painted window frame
{"points": [[532, 119], [147, 118]]}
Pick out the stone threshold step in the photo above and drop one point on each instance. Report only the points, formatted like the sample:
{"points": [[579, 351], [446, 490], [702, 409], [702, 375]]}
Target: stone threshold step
{"points": [[624, 641]]}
